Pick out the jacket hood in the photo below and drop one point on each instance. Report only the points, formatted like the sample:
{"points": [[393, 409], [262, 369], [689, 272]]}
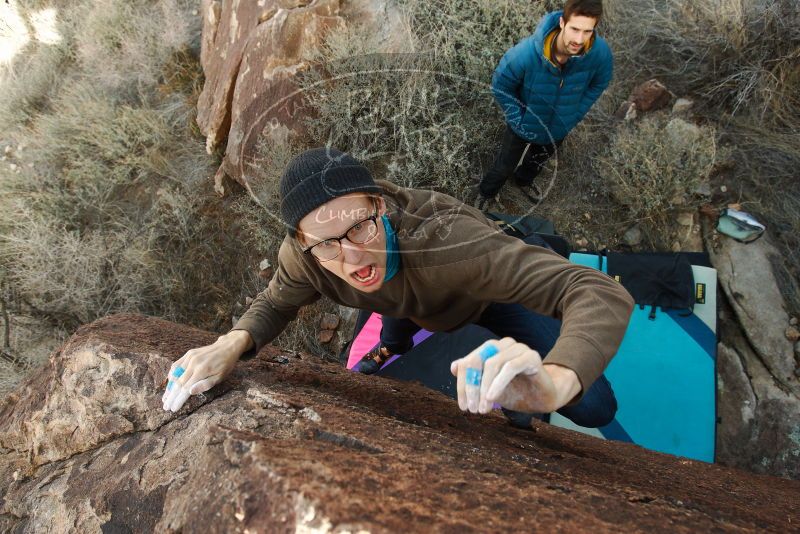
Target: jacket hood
{"points": [[548, 23]]}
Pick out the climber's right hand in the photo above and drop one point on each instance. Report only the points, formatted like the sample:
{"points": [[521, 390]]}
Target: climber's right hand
{"points": [[202, 368]]}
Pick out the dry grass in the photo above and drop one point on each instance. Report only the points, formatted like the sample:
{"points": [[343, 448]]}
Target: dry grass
{"points": [[105, 193], [422, 117], [655, 166]]}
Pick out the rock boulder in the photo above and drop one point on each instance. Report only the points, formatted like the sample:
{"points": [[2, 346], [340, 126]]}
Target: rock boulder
{"points": [[252, 54], [758, 389], [289, 443]]}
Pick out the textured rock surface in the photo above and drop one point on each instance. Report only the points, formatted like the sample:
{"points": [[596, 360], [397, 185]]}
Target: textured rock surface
{"points": [[266, 103], [758, 391], [226, 29], [252, 53], [746, 276], [287, 443]]}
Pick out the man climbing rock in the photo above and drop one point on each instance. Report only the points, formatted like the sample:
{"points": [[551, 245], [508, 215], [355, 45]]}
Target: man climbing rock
{"points": [[424, 259], [545, 85]]}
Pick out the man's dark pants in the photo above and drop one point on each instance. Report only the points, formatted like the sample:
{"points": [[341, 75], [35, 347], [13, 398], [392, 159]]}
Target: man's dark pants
{"points": [[597, 407], [505, 164]]}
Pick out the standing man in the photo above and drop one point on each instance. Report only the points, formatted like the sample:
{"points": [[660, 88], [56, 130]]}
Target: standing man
{"points": [[429, 261], [545, 85]]}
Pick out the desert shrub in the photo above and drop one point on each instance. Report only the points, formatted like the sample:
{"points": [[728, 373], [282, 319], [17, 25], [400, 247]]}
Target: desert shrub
{"points": [[655, 166], [103, 197], [123, 46], [33, 70], [105, 193], [420, 116]]}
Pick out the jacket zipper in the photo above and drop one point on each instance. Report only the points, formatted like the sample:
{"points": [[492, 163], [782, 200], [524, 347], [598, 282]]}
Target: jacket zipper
{"points": [[558, 95]]}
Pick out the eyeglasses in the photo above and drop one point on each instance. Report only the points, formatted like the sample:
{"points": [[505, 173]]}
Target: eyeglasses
{"points": [[358, 234]]}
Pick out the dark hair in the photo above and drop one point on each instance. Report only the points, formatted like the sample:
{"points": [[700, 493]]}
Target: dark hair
{"points": [[585, 8]]}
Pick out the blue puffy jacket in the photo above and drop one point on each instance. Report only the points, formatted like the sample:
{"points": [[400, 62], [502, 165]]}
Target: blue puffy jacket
{"points": [[541, 102]]}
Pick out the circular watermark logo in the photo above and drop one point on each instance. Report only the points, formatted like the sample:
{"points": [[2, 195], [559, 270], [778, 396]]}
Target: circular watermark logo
{"points": [[426, 129]]}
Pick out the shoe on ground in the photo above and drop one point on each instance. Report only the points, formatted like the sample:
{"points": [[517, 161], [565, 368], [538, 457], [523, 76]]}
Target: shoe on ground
{"points": [[486, 204], [373, 360], [530, 191]]}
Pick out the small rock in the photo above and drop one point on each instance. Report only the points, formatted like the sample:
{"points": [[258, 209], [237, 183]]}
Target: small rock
{"points": [[7, 150], [234, 320], [325, 336], [793, 321], [588, 216], [792, 334], [626, 111], [582, 242], [686, 218], [237, 307], [248, 301], [703, 189], [682, 133], [12, 166], [682, 105], [650, 96], [678, 200], [265, 270], [676, 246], [632, 236], [329, 321], [723, 188]]}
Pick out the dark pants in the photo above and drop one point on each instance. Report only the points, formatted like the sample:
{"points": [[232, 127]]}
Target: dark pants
{"points": [[507, 160], [597, 407]]}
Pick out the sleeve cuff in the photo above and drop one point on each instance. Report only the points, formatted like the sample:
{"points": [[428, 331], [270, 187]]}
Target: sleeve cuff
{"points": [[258, 342], [582, 357]]}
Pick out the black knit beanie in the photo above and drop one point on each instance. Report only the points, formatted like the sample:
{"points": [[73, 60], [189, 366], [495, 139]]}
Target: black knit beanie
{"points": [[317, 176]]}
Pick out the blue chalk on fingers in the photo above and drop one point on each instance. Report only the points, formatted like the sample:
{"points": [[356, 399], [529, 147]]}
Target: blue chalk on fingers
{"points": [[178, 372], [473, 376], [487, 352]]}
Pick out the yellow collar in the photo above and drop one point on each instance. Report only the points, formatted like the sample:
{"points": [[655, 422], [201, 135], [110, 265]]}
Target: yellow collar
{"points": [[548, 46]]}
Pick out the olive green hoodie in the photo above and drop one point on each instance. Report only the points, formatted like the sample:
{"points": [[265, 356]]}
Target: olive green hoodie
{"points": [[455, 262]]}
